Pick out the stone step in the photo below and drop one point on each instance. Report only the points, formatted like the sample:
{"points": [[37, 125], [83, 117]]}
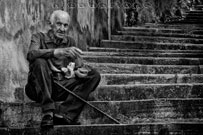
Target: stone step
{"points": [[94, 50], [187, 21], [129, 79], [198, 32], [188, 34], [144, 29], [198, 6], [127, 112], [151, 110], [162, 30], [149, 45], [121, 85], [194, 16], [156, 39], [115, 68], [172, 128], [195, 20], [176, 26], [144, 54], [196, 11], [144, 60], [146, 91]]}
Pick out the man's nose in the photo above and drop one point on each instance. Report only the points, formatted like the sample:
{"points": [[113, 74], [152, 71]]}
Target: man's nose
{"points": [[62, 28]]}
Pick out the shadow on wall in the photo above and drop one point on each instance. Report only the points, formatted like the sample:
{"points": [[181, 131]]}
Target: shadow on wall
{"points": [[89, 22], [117, 16], [101, 23]]}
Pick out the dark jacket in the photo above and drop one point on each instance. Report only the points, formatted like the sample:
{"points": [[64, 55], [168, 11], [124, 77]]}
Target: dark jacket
{"points": [[43, 45]]}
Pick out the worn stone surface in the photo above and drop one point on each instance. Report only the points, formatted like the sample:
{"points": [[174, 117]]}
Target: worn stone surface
{"points": [[159, 39], [142, 86], [115, 68], [154, 52], [182, 26], [131, 112], [192, 54], [144, 60], [125, 79], [146, 91], [149, 45], [158, 110], [144, 129], [20, 114], [188, 34], [158, 29], [136, 91]]}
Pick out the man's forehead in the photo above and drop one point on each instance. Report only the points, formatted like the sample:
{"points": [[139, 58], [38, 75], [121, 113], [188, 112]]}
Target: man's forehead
{"points": [[63, 15], [64, 19]]}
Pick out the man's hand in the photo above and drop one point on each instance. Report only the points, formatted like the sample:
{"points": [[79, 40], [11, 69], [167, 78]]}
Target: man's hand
{"points": [[72, 52], [81, 72], [75, 52]]}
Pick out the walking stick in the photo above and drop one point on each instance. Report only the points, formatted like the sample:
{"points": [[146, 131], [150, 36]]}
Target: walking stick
{"points": [[78, 97]]}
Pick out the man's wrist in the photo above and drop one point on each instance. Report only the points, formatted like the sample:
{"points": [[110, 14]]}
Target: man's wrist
{"points": [[53, 54]]}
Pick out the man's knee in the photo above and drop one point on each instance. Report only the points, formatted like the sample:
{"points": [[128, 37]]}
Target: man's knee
{"points": [[39, 64], [95, 75]]}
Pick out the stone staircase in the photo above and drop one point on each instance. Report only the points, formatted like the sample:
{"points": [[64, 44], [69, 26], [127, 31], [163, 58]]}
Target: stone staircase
{"points": [[151, 83]]}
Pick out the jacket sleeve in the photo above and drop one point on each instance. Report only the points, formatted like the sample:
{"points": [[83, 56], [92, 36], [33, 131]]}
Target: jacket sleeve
{"points": [[35, 50]]}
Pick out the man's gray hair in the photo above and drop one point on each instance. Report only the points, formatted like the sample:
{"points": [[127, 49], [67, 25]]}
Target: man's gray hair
{"points": [[56, 14]]}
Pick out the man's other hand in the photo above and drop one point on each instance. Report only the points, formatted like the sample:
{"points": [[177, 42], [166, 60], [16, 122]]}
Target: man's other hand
{"points": [[72, 52], [76, 52], [81, 72]]}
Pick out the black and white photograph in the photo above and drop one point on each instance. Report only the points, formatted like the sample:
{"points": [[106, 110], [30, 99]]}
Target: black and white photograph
{"points": [[101, 67]]}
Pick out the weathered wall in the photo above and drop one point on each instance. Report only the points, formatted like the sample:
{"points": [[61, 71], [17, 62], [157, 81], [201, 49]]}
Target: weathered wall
{"points": [[18, 20], [89, 21]]}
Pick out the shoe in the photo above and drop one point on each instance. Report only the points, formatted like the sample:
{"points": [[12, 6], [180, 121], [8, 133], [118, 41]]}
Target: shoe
{"points": [[61, 121], [47, 121], [75, 123], [64, 121]]}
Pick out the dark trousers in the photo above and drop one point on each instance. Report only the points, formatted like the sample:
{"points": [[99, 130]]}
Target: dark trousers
{"points": [[42, 89]]}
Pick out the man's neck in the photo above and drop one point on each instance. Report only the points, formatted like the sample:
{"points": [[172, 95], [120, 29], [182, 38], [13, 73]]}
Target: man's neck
{"points": [[58, 40]]}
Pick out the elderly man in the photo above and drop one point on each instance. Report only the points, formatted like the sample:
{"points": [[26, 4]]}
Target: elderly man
{"points": [[53, 57]]}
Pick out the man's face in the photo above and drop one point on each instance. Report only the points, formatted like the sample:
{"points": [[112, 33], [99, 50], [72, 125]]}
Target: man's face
{"points": [[61, 25]]}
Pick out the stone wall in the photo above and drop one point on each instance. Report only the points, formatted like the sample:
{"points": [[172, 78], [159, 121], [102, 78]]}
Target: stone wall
{"points": [[18, 20], [89, 22]]}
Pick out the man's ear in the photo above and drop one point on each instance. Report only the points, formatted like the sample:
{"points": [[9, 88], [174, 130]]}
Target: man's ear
{"points": [[50, 24]]}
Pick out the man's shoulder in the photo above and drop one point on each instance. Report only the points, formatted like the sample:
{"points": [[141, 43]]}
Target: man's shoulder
{"points": [[39, 34], [44, 36]]}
